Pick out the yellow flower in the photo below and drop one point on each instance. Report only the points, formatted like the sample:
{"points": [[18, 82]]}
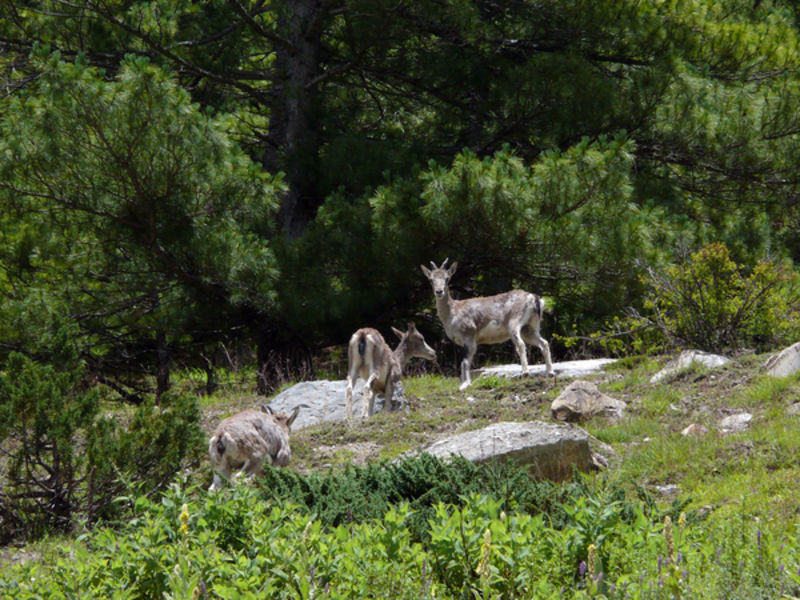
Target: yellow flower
{"points": [[682, 522], [591, 567], [184, 517]]}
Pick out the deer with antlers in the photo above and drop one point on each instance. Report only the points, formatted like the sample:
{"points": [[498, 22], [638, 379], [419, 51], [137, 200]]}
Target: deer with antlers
{"points": [[514, 315]]}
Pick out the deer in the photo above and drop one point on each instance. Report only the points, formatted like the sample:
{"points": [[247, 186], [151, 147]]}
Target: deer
{"points": [[245, 440], [514, 315], [371, 358]]}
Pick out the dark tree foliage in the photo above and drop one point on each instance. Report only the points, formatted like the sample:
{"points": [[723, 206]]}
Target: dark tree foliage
{"points": [[556, 146]]}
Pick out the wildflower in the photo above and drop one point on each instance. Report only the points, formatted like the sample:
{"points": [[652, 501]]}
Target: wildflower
{"points": [[307, 530], [682, 522], [669, 539], [184, 517], [592, 561], [582, 568], [199, 591], [486, 555]]}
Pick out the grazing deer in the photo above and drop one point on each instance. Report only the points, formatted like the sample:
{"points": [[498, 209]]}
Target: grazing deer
{"points": [[245, 440], [514, 315], [369, 357]]}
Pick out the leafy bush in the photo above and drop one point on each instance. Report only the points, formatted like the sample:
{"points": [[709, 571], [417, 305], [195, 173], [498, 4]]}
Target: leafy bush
{"points": [[710, 303], [357, 494], [179, 548], [63, 461]]}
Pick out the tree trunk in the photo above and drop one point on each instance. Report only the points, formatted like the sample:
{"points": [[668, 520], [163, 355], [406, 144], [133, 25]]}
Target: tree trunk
{"points": [[162, 373], [292, 129]]}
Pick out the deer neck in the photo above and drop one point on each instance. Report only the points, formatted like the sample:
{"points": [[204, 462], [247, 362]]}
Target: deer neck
{"points": [[444, 306], [400, 357]]}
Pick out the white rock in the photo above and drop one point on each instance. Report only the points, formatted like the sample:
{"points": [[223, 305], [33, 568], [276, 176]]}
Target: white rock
{"points": [[686, 359], [581, 399], [785, 363], [569, 368], [735, 423], [325, 401], [695, 430], [551, 450]]}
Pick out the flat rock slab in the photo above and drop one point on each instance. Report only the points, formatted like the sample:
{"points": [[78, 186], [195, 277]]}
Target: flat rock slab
{"points": [[568, 368], [324, 400], [686, 359], [551, 451]]}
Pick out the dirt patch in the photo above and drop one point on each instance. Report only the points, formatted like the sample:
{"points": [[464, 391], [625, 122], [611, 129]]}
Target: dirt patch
{"points": [[357, 453], [11, 555]]}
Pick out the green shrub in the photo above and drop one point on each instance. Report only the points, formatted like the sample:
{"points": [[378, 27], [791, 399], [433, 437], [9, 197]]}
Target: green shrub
{"points": [[64, 461], [712, 303], [232, 544], [709, 303], [357, 494]]}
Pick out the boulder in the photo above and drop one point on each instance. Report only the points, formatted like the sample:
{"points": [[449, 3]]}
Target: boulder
{"points": [[325, 401], [551, 451], [686, 359], [785, 363], [582, 399]]}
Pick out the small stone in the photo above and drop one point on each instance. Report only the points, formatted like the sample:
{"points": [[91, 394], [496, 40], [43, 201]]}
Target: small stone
{"points": [[694, 430], [735, 423]]}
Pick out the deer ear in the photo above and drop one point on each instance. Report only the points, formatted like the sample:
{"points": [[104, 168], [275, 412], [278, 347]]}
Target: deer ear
{"points": [[426, 271], [398, 333], [452, 269]]}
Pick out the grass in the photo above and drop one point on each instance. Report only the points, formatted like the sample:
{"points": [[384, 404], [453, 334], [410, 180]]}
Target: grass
{"points": [[755, 473]]}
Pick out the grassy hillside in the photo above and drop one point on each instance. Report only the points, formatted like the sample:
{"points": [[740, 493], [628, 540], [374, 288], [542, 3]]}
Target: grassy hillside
{"points": [[757, 470], [731, 499]]}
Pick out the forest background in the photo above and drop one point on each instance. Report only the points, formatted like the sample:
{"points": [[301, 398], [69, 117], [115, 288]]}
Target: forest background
{"points": [[181, 182]]}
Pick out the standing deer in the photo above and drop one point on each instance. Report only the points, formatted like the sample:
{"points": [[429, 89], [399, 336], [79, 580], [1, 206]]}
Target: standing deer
{"points": [[514, 315], [369, 357]]}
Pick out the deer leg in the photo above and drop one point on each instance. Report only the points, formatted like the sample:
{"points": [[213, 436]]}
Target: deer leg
{"points": [[535, 338], [522, 350], [369, 397], [348, 396], [388, 393], [254, 465], [221, 475], [466, 364]]}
